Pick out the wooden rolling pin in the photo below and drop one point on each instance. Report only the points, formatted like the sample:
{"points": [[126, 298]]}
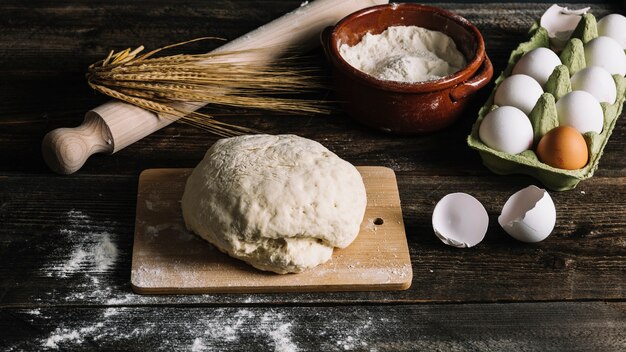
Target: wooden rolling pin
{"points": [[112, 126]]}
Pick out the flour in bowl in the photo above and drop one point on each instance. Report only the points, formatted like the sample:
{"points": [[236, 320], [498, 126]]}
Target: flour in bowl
{"points": [[405, 54]]}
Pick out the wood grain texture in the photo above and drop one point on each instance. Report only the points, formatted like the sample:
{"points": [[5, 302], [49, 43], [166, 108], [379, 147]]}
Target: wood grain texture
{"points": [[542, 327], [52, 227], [65, 150], [32, 37], [584, 259], [168, 259]]}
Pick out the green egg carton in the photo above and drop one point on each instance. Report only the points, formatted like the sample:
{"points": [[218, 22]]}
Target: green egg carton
{"points": [[543, 117]]}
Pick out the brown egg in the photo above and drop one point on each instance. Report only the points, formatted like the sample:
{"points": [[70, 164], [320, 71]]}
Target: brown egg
{"points": [[563, 147]]}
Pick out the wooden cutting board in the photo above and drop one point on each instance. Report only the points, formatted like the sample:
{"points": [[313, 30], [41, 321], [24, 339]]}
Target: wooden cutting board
{"points": [[168, 259]]}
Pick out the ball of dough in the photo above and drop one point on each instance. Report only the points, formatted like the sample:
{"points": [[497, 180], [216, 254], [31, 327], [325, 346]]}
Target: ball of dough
{"points": [[280, 203]]}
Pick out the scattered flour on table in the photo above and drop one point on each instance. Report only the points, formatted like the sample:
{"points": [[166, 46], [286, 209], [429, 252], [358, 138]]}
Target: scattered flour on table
{"points": [[349, 338], [405, 54], [111, 312], [223, 328], [104, 328], [60, 336], [198, 345], [90, 250], [34, 312], [63, 335], [83, 250]]}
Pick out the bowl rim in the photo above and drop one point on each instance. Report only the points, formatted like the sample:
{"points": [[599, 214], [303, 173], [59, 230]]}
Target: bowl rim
{"points": [[408, 87]]}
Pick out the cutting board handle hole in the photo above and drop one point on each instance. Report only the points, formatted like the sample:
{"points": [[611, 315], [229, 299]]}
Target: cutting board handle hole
{"points": [[379, 221]]}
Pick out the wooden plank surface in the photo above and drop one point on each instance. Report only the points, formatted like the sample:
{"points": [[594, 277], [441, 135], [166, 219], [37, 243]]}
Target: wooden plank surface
{"points": [[168, 259], [584, 259], [541, 327], [52, 227]]}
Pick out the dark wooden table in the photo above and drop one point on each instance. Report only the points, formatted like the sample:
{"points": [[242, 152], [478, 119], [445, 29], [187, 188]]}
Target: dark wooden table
{"points": [[566, 293]]}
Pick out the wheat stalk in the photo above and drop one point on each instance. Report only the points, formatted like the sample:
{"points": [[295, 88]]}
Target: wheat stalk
{"points": [[157, 84]]}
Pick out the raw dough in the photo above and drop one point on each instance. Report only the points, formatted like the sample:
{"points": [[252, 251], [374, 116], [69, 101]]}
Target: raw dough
{"points": [[280, 203]]}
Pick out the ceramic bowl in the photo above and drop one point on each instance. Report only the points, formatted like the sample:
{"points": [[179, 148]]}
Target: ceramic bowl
{"points": [[398, 107]]}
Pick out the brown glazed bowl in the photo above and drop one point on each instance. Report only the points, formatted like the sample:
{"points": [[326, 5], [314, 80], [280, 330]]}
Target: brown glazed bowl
{"points": [[406, 108]]}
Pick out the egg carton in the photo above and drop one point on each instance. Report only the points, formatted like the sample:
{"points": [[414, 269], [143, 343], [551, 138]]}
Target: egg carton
{"points": [[543, 117]]}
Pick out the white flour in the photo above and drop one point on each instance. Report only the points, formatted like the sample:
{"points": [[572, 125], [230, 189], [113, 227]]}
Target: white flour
{"points": [[64, 335], [92, 251], [106, 330], [274, 327], [405, 54], [85, 252]]}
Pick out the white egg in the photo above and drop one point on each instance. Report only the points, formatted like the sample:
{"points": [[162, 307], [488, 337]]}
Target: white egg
{"points": [[597, 81], [460, 220], [614, 26], [506, 129], [529, 215], [606, 52], [520, 91], [538, 64], [580, 110]]}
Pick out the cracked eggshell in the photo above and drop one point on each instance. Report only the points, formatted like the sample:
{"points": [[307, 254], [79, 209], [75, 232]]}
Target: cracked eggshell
{"points": [[560, 22], [460, 220], [529, 215]]}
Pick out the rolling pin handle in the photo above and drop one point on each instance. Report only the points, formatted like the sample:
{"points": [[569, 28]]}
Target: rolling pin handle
{"points": [[115, 125], [65, 150]]}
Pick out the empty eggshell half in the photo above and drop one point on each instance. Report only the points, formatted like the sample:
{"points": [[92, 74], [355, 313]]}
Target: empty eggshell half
{"points": [[460, 220], [560, 22], [529, 215]]}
